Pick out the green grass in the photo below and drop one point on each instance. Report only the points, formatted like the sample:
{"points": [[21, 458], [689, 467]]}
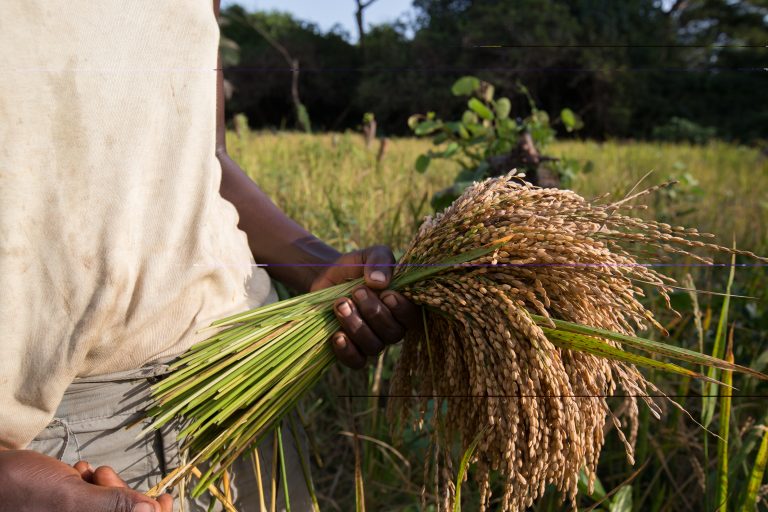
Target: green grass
{"points": [[336, 188], [722, 190]]}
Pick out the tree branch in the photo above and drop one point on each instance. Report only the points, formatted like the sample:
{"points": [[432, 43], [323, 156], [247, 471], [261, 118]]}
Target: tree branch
{"points": [[292, 63]]}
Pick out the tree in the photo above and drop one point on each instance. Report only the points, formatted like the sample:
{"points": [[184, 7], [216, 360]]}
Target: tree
{"points": [[302, 116], [362, 5]]}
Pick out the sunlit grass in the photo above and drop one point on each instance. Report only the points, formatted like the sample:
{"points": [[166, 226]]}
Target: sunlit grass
{"points": [[732, 183], [335, 187]]}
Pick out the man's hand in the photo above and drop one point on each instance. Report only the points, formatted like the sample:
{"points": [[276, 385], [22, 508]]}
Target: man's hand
{"points": [[32, 482], [371, 319]]}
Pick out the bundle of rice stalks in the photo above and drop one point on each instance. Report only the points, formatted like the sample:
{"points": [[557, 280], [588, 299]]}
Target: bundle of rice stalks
{"points": [[530, 297]]}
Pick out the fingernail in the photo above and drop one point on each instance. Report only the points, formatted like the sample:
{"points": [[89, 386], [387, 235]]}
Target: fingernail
{"points": [[360, 294], [143, 507], [344, 309], [91, 468], [390, 300], [340, 342], [378, 276]]}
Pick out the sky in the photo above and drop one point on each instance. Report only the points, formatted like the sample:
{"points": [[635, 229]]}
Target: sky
{"points": [[326, 13]]}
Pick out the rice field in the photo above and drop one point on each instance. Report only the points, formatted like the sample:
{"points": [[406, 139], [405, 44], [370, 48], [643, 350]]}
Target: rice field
{"points": [[345, 194], [334, 186]]}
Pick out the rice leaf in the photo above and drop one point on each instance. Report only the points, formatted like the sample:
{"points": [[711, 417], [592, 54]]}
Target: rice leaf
{"points": [[359, 486], [417, 273], [591, 345], [464, 467], [653, 347], [622, 501], [256, 461], [756, 476], [304, 465], [273, 473], [283, 472], [722, 442], [710, 390]]}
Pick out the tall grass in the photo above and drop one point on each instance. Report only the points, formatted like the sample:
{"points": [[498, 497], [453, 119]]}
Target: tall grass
{"points": [[722, 186], [338, 190], [335, 187]]}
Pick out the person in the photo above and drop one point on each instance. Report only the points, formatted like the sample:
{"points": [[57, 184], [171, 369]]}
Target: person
{"points": [[125, 227]]}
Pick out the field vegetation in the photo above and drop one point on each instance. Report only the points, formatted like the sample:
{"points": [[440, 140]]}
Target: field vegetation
{"points": [[339, 190], [353, 196]]}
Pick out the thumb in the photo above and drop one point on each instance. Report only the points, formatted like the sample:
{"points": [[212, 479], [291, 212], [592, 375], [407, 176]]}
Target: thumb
{"points": [[379, 262], [113, 499]]}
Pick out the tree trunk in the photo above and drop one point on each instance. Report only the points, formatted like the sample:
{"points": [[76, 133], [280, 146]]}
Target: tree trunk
{"points": [[361, 6], [302, 118], [526, 158], [360, 27]]}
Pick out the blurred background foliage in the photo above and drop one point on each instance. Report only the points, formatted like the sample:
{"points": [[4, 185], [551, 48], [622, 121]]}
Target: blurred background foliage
{"points": [[630, 69]]}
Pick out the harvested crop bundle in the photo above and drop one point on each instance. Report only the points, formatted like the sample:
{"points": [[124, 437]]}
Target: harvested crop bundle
{"points": [[530, 296]]}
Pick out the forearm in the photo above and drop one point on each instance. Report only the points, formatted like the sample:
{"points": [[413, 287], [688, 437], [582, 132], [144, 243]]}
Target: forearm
{"points": [[274, 238]]}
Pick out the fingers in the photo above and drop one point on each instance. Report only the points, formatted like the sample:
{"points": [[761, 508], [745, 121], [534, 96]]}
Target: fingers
{"points": [[85, 470], [403, 310], [105, 476], [369, 323], [377, 316], [375, 264], [346, 352], [379, 262], [113, 499], [166, 503], [356, 329]]}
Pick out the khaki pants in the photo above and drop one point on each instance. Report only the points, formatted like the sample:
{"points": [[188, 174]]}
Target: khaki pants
{"points": [[90, 424]]}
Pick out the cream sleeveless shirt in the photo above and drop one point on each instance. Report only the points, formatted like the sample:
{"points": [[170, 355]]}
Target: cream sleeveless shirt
{"points": [[115, 244]]}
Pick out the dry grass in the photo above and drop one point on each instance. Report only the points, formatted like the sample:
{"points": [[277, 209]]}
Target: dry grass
{"points": [[337, 190], [732, 182]]}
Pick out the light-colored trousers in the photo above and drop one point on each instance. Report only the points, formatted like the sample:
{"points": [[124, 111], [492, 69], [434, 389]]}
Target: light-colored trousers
{"points": [[90, 424]]}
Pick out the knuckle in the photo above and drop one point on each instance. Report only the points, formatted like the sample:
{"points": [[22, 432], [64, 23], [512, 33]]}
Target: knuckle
{"points": [[378, 347], [382, 251], [370, 345], [370, 308], [119, 502], [351, 358], [353, 326]]}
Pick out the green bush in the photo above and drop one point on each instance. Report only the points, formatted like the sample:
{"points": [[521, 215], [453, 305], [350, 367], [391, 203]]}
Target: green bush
{"points": [[678, 129], [486, 130]]}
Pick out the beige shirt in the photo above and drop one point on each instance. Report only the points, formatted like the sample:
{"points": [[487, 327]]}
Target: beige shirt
{"points": [[115, 244]]}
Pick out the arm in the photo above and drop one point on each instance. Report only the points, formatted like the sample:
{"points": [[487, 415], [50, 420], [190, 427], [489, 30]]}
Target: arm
{"points": [[372, 318], [272, 236]]}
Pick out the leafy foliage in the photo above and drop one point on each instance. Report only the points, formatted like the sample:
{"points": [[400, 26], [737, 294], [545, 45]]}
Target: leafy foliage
{"points": [[678, 129], [486, 130], [624, 66]]}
